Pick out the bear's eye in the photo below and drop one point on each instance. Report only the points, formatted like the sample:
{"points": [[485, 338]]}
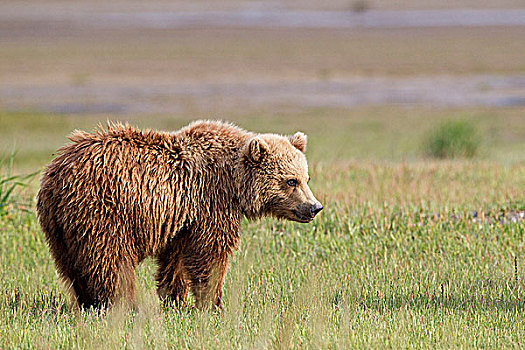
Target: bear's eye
{"points": [[292, 183]]}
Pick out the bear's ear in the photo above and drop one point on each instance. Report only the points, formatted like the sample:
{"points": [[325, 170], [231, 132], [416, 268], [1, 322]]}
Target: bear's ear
{"points": [[257, 149], [298, 140]]}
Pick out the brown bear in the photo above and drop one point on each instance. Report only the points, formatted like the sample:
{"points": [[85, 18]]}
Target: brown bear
{"points": [[112, 198]]}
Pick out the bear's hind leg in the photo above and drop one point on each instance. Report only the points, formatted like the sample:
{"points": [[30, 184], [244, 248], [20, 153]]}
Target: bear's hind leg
{"points": [[100, 289], [85, 298]]}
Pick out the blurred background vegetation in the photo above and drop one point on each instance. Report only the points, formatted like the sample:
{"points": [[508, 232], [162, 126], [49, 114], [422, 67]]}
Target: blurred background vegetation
{"points": [[360, 82]]}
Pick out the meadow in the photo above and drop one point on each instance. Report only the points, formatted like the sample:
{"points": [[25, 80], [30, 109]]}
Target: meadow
{"points": [[410, 251]]}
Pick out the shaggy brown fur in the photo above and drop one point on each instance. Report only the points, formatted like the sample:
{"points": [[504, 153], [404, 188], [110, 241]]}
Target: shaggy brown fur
{"points": [[112, 198]]}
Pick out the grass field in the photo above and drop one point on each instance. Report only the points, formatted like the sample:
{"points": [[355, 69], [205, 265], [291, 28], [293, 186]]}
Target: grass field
{"points": [[409, 252]]}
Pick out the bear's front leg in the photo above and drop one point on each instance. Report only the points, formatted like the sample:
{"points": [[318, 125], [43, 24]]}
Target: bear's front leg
{"points": [[206, 274], [172, 283]]}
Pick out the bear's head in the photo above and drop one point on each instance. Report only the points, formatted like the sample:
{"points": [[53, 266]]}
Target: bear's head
{"points": [[274, 178]]}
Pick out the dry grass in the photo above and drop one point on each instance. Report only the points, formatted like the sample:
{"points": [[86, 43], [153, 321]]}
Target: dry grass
{"points": [[427, 183], [55, 54]]}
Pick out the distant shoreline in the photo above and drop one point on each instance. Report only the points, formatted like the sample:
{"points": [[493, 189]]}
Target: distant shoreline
{"points": [[151, 97], [273, 18]]}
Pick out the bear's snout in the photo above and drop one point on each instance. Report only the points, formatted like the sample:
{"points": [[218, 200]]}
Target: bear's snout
{"points": [[307, 212], [316, 208]]}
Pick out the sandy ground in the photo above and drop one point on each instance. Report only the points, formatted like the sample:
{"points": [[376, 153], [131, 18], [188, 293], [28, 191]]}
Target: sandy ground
{"points": [[128, 57]]}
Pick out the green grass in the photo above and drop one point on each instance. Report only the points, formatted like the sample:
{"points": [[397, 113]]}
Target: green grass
{"points": [[378, 272], [408, 253], [9, 183]]}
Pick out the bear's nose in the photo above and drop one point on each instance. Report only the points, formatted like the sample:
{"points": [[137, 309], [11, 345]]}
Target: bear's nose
{"points": [[316, 208]]}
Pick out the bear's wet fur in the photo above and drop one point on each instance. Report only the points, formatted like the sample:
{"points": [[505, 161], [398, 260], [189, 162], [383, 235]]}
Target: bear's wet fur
{"points": [[116, 196]]}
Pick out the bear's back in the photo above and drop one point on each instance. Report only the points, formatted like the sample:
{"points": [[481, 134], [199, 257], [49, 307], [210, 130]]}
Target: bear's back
{"points": [[142, 184], [122, 183]]}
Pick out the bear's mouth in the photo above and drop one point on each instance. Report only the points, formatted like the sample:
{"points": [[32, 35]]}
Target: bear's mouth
{"points": [[301, 218]]}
